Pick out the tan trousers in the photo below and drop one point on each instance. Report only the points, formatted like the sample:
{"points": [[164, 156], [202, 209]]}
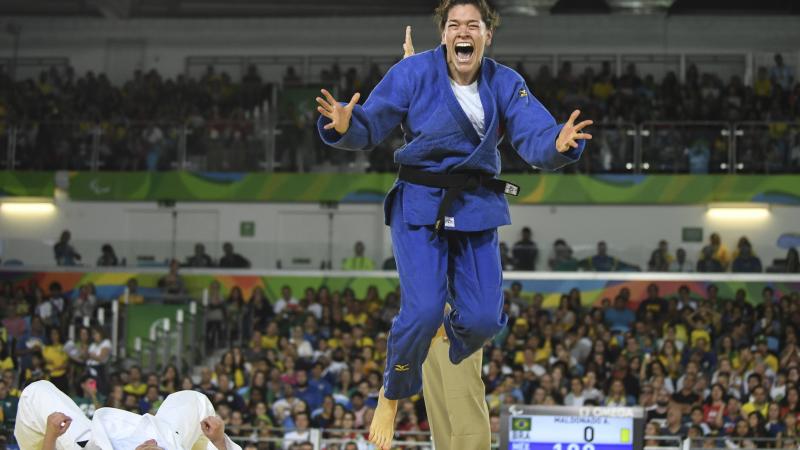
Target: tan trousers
{"points": [[455, 400]]}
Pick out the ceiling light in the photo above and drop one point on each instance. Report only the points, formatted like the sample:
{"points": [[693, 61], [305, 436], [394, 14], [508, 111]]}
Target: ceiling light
{"points": [[736, 213], [28, 209]]}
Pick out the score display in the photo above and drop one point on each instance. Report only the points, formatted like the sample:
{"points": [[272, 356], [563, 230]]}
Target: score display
{"points": [[525, 427]]}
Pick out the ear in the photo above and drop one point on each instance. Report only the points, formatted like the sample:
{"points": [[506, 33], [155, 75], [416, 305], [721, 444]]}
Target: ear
{"points": [[489, 35], [444, 41]]}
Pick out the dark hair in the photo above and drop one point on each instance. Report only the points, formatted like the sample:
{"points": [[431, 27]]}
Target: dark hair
{"points": [[488, 14]]}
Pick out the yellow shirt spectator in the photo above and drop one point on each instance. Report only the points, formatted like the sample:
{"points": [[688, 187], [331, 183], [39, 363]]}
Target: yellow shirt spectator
{"points": [[722, 255], [137, 389], [269, 342], [602, 89], [365, 341], [356, 319], [55, 360], [763, 87], [358, 263], [699, 333], [749, 407]]}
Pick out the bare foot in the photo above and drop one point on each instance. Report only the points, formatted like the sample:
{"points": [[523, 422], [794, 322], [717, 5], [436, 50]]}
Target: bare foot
{"points": [[381, 430]]}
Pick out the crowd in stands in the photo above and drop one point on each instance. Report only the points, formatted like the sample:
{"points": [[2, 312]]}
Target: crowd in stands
{"points": [[715, 257], [139, 125], [701, 365]]}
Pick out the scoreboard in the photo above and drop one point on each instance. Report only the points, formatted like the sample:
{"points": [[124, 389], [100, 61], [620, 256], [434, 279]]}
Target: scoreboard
{"points": [[526, 427]]}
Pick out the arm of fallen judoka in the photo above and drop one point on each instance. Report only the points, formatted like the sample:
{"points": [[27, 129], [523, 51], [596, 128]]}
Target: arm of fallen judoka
{"points": [[533, 131], [214, 430], [384, 110], [57, 424]]}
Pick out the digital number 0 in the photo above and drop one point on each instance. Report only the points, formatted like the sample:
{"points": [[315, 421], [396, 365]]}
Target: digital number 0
{"points": [[588, 435]]}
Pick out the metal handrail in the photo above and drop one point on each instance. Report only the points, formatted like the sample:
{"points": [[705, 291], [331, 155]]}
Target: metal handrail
{"points": [[265, 130]]}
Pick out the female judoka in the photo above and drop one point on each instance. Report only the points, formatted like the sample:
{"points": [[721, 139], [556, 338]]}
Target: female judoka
{"points": [[446, 205]]}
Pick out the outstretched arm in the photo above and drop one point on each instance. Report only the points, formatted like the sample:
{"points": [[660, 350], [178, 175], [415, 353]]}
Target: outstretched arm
{"points": [[354, 127], [535, 134]]}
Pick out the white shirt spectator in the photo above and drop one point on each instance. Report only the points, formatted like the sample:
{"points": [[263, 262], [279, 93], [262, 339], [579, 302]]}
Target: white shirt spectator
{"points": [[96, 350], [685, 267], [783, 76], [304, 348], [294, 437], [282, 304], [316, 310], [574, 400]]}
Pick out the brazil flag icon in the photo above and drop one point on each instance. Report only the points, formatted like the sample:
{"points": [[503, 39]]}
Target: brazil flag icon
{"points": [[520, 424]]}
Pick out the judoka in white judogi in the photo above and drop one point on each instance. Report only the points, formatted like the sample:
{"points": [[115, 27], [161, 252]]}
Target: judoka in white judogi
{"points": [[185, 421]]}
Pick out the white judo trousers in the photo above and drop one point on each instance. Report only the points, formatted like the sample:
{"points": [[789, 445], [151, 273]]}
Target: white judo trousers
{"points": [[176, 425]]}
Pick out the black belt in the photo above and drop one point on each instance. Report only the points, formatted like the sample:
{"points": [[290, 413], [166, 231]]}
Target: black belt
{"points": [[454, 184]]}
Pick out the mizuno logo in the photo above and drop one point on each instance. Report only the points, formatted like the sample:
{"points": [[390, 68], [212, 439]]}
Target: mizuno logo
{"points": [[401, 368], [523, 93]]}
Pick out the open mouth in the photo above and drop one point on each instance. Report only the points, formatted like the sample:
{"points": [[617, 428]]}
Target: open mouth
{"points": [[464, 51]]}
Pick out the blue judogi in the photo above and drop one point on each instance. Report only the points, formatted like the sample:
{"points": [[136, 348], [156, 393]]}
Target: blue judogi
{"points": [[462, 264]]}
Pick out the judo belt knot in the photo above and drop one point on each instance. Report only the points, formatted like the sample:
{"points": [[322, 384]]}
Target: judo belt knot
{"points": [[454, 184]]}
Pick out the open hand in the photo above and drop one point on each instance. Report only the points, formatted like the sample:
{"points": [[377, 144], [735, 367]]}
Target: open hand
{"points": [[408, 46], [571, 132], [338, 114]]}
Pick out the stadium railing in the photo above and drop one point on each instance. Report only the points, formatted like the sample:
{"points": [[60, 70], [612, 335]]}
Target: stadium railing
{"points": [[260, 143]]}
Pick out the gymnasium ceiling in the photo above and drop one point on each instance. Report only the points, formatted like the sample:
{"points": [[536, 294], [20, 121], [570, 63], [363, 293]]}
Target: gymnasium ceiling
{"points": [[308, 8]]}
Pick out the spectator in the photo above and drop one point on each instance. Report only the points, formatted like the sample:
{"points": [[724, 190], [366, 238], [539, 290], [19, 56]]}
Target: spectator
{"points": [[107, 256], [83, 305], [575, 396], [389, 264], [199, 258], [707, 262], [781, 74], [602, 262], [660, 258], [525, 253], [56, 360], [673, 425], [261, 308], [658, 411], [762, 85], [720, 251], [133, 296], [98, 356], [216, 317], [65, 254], [89, 399], [619, 318], [561, 259], [746, 261], [681, 264], [135, 385], [172, 283], [8, 406], [653, 305], [758, 403], [286, 304], [232, 260], [358, 261]]}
